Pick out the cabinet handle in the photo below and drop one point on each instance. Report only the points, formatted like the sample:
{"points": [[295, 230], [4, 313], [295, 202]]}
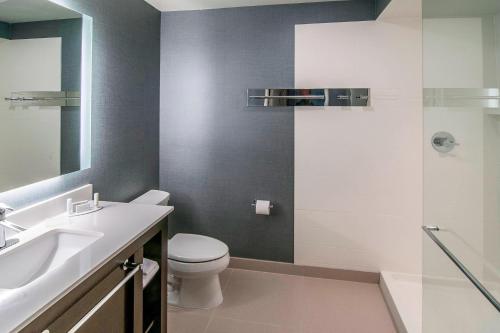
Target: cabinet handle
{"points": [[105, 299]]}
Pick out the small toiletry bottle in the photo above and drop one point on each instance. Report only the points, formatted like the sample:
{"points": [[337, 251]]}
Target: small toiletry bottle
{"points": [[69, 206], [96, 200]]}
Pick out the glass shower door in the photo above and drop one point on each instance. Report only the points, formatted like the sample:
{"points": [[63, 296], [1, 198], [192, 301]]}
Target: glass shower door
{"points": [[461, 242]]}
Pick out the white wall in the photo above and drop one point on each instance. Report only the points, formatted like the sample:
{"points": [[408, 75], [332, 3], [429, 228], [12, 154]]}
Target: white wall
{"points": [[461, 188], [492, 151], [453, 186], [30, 149], [358, 173]]}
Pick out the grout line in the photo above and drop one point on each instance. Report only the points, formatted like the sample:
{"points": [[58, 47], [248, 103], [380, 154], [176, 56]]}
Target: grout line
{"points": [[250, 321], [231, 270], [212, 315], [210, 319], [209, 322], [253, 322]]}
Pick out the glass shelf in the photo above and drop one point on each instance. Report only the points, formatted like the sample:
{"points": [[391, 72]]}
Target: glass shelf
{"points": [[462, 97]]}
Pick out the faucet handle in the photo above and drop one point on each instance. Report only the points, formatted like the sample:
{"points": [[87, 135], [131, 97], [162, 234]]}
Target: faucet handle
{"points": [[4, 208]]}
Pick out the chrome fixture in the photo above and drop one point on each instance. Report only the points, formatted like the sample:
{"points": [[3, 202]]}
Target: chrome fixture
{"points": [[462, 97], [44, 98], [129, 265], [429, 230], [254, 204], [4, 243], [443, 142], [308, 97], [82, 207], [134, 268]]}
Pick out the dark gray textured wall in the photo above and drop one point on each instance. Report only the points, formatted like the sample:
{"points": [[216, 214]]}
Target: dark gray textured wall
{"points": [[70, 31], [4, 30], [216, 155], [380, 5], [125, 102]]}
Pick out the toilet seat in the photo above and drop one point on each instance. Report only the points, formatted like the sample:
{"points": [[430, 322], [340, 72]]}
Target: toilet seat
{"points": [[191, 248], [194, 264]]}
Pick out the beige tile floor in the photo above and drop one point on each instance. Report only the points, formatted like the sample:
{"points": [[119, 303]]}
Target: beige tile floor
{"points": [[258, 302]]}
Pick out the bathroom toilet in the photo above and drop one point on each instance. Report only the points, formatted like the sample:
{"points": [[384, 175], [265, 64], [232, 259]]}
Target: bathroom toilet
{"points": [[194, 263]]}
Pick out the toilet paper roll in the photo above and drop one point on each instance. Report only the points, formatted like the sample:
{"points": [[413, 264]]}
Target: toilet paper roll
{"points": [[262, 207]]}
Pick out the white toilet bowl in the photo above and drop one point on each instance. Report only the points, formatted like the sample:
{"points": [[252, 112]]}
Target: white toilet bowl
{"points": [[195, 262]]}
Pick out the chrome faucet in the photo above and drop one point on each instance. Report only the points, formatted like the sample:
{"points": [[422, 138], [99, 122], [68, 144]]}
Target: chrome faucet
{"points": [[4, 224]]}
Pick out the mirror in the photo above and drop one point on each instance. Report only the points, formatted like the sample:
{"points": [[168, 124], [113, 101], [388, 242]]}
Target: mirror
{"points": [[45, 86]]}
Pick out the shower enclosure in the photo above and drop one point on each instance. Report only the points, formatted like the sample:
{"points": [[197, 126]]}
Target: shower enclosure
{"points": [[461, 241]]}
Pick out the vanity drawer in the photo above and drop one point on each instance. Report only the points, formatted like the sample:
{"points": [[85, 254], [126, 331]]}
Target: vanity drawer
{"points": [[110, 300], [109, 305]]}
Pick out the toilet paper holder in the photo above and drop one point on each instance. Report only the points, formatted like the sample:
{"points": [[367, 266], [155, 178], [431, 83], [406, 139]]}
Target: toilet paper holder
{"points": [[255, 203]]}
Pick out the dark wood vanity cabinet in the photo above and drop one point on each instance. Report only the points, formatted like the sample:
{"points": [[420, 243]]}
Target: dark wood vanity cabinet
{"points": [[122, 302], [111, 317]]}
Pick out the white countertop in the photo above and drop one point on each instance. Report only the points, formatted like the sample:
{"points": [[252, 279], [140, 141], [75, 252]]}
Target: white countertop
{"points": [[120, 223]]}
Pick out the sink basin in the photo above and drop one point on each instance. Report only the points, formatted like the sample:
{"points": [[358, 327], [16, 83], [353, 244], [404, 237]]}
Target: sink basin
{"points": [[32, 259]]}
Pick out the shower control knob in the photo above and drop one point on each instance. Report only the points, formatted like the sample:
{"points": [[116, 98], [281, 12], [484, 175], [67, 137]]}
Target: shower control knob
{"points": [[443, 142]]}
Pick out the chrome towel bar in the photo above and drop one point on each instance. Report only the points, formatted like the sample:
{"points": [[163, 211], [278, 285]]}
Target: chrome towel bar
{"points": [[44, 98], [130, 275], [290, 97], [279, 97], [429, 231], [26, 99]]}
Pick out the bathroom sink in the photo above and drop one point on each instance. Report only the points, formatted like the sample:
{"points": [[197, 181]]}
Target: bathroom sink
{"points": [[31, 260]]}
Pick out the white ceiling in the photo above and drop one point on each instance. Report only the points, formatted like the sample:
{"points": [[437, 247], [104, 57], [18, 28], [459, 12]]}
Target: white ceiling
{"points": [[174, 5], [16, 11]]}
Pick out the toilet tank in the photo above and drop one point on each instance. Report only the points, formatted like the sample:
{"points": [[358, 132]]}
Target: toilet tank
{"points": [[153, 197]]}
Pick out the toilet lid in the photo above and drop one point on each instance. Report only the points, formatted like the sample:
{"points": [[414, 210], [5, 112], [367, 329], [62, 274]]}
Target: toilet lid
{"points": [[195, 248]]}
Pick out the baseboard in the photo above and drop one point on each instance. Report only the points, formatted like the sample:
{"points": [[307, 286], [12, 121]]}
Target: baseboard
{"points": [[309, 271]]}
